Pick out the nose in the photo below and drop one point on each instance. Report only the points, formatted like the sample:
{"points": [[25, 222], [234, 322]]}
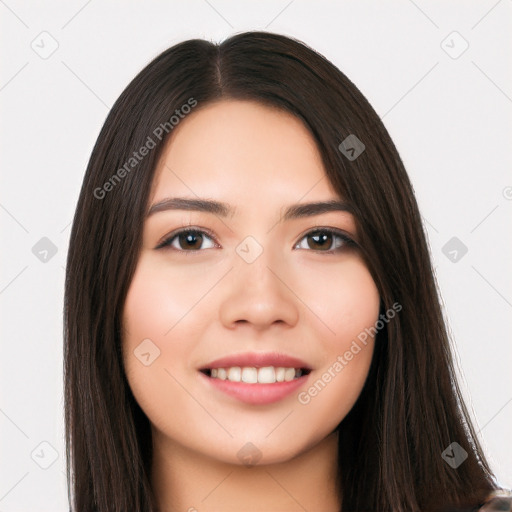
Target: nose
{"points": [[259, 294]]}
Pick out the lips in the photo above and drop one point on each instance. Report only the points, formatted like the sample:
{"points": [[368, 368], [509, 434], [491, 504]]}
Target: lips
{"points": [[256, 378]]}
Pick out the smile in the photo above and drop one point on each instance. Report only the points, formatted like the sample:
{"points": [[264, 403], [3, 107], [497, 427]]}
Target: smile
{"points": [[252, 375], [256, 378]]}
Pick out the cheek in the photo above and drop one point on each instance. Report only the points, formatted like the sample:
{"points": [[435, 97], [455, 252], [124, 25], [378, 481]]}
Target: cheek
{"points": [[344, 298], [348, 307], [157, 298], [149, 314], [152, 309], [161, 305]]}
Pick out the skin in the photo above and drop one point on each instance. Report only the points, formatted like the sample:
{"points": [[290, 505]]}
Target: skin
{"points": [[197, 306]]}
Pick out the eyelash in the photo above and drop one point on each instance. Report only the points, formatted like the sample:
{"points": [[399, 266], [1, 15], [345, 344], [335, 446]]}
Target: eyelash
{"points": [[346, 241]]}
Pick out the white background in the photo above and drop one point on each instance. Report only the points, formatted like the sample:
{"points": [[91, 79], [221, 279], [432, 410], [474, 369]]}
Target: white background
{"points": [[449, 117]]}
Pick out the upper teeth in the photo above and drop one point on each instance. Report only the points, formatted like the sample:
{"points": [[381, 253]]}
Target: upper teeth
{"points": [[251, 375]]}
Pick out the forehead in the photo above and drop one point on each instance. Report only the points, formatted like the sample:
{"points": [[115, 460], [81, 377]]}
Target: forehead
{"points": [[242, 148]]}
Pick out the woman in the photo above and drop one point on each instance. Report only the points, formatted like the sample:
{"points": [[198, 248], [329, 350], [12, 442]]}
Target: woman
{"points": [[251, 317]]}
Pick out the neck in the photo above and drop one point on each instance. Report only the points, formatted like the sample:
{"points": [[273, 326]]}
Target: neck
{"points": [[184, 480]]}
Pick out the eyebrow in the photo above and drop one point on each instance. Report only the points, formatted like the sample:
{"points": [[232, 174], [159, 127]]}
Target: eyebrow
{"points": [[294, 211]]}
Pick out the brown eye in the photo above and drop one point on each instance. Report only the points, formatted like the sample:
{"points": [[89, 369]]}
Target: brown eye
{"points": [[322, 240], [188, 240]]}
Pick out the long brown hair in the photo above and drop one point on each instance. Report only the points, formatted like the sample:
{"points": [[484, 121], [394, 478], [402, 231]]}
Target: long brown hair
{"points": [[410, 410]]}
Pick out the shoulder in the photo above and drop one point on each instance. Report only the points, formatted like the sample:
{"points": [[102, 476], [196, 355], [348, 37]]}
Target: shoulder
{"points": [[500, 500]]}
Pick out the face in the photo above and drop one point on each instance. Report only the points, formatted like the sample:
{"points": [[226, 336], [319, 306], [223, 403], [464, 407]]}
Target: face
{"points": [[243, 324]]}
